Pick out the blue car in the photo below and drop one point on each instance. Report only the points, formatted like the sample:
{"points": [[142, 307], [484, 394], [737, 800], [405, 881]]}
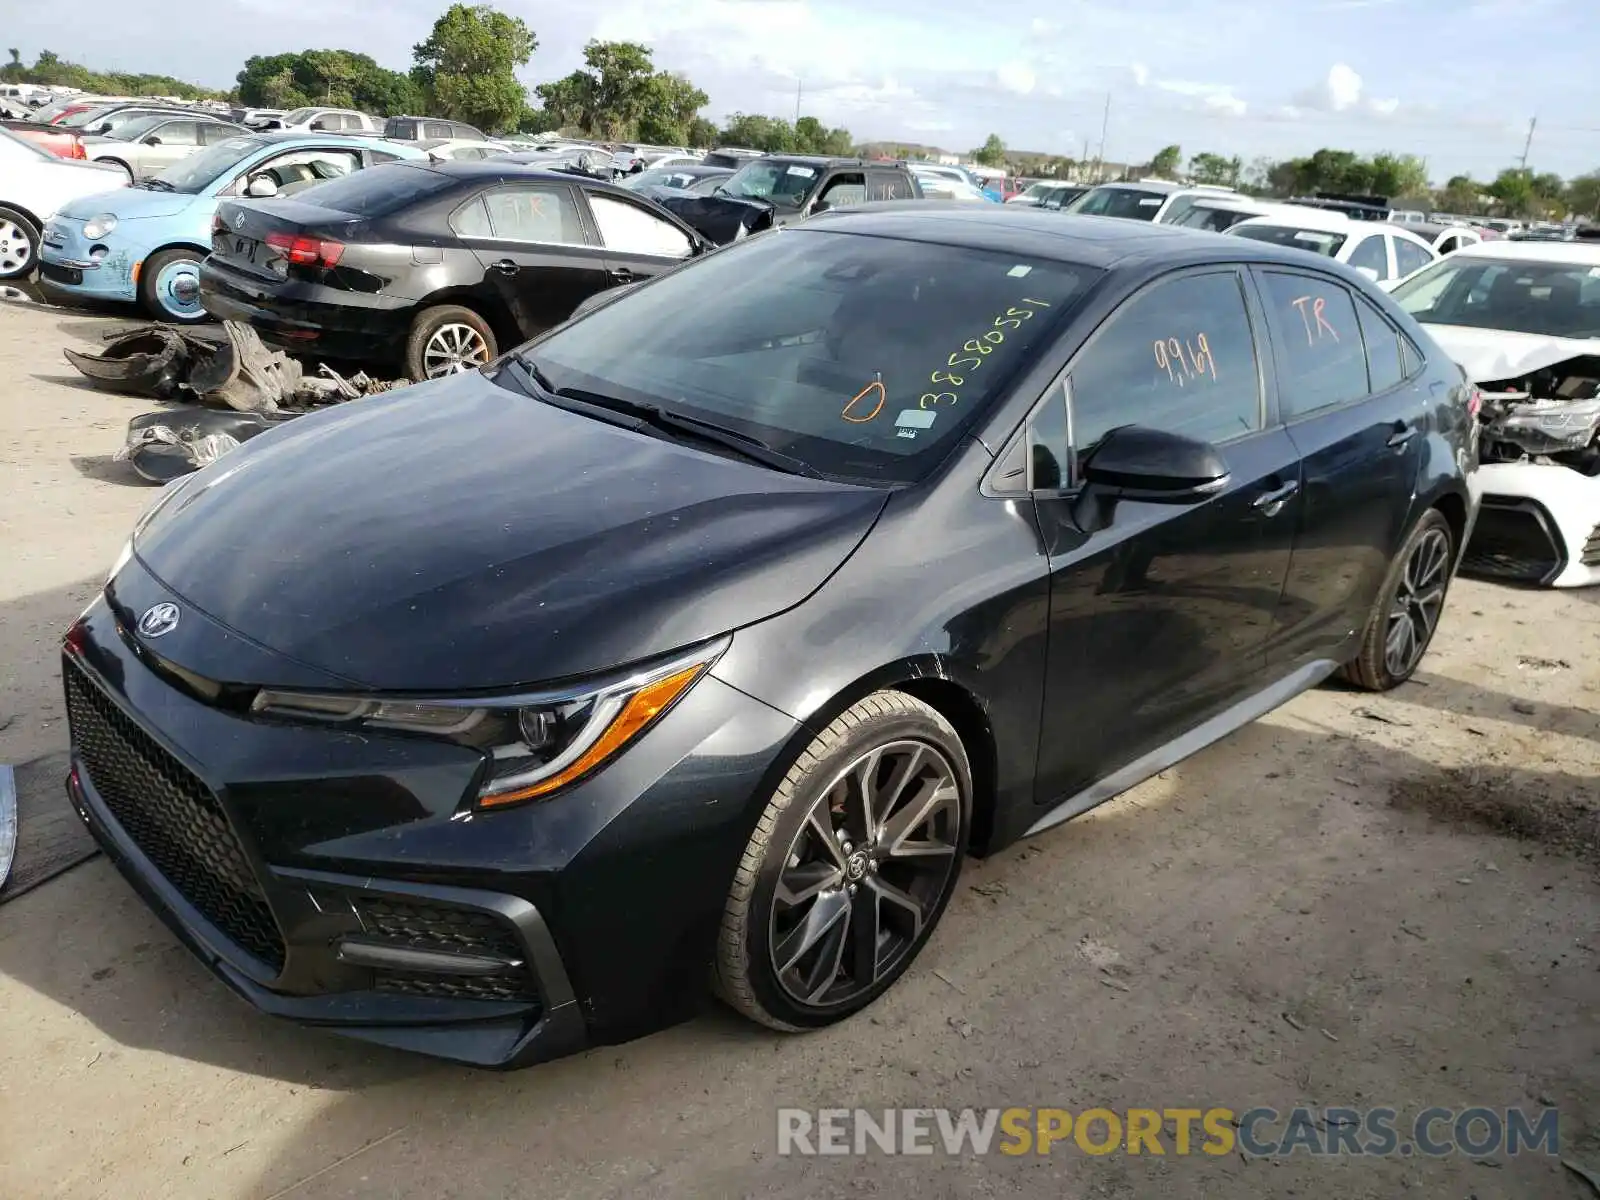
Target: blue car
{"points": [[146, 242]]}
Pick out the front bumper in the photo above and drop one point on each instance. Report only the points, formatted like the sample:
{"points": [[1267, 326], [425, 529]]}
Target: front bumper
{"points": [[1539, 524], [73, 265], [333, 880]]}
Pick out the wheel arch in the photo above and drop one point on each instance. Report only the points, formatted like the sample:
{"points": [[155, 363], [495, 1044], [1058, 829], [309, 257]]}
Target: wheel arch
{"points": [[928, 679], [493, 310]]}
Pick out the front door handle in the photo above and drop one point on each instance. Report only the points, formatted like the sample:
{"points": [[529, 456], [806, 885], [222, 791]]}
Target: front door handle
{"points": [[1271, 503], [620, 275], [505, 266], [1402, 434]]}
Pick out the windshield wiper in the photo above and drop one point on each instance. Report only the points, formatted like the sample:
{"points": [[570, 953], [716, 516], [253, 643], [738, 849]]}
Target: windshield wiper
{"points": [[638, 415], [157, 185]]}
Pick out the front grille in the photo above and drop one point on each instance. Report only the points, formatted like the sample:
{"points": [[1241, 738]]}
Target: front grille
{"points": [[430, 925], [172, 817], [1591, 549], [1513, 541]]}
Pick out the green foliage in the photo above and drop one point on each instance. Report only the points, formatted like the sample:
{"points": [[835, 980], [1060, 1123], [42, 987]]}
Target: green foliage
{"points": [[1165, 163], [620, 96], [337, 77], [1583, 195], [51, 68], [776, 136], [992, 153], [1215, 169], [467, 67]]}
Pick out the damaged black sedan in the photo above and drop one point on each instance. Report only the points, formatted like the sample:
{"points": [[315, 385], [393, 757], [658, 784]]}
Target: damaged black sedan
{"points": [[702, 637], [432, 267]]}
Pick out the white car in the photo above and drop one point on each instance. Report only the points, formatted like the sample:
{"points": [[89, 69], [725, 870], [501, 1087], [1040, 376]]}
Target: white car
{"points": [[1523, 321], [33, 185], [1444, 237], [1218, 214], [324, 120], [461, 149], [1379, 250], [148, 145], [1158, 200], [940, 187]]}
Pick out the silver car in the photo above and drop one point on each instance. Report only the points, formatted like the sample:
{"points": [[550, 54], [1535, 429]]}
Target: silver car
{"points": [[149, 145]]}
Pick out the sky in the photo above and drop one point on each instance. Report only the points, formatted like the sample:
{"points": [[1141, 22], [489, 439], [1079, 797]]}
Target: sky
{"points": [[1453, 81]]}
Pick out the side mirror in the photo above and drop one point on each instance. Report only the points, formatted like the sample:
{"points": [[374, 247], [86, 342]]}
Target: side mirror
{"points": [[261, 187], [1368, 272], [152, 140], [821, 206], [1139, 463]]}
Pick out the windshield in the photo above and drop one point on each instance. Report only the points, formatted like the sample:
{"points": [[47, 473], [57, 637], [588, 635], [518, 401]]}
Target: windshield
{"points": [[1317, 241], [1204, 216], [782, 183], [1037, 191], [1552, 299], [133, 130], [299, 115], [377, 191], [661, 177], [866, 358], [83, 116], [195, 172], [1118, 202]]}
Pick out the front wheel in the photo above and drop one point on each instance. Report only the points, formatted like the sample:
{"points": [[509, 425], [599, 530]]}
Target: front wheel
{"points": [[1402, 623], [448, 340], [169, 287], [19, 244], [849, 868]]}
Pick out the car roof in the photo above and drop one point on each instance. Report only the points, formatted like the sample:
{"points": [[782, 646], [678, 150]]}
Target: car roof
{"points": [[1322, 219], [1163, 186], [1028, 232], [1586, 254]]}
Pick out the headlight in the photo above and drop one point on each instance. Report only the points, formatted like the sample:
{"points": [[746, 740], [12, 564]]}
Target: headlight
{"points": [[96, 228], [536, 744]]}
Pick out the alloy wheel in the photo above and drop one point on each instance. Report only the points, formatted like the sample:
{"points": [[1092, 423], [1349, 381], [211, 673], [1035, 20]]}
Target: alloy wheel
{"points": [[866, 871], [16, 249], [1418, 600], [454, 349]]}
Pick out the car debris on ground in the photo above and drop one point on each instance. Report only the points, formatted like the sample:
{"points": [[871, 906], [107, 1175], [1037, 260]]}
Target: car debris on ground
{"points": [[225, 391]]}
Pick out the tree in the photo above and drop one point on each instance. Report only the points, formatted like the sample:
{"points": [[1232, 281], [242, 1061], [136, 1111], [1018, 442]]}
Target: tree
{"points": [[1513, 191], [1398, 175], [702, 133], [811, 137], [565, 102], [671, 104], [1583, 195], [1214, 169], [12, 71], [771, 134], [1461, 194], [992, 153], [1166, 161], [467, 66], [340, 77]]}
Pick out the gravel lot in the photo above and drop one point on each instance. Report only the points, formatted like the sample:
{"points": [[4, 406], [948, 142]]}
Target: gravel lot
{"points": [[1357, 901]]}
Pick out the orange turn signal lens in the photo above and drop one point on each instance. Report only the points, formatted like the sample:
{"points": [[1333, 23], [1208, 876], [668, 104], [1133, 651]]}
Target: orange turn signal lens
{"points": [[637, 714]]}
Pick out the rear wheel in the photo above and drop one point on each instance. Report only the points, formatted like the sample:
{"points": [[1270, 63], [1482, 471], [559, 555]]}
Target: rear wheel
{"points": [[448, 340], [19, 244], [1408, 607], [849, 868], [169, 287]]}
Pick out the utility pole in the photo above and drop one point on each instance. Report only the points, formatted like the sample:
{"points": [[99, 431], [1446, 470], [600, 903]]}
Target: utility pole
{"points": [[798, 84], [1528, 145], [1100, 159]]}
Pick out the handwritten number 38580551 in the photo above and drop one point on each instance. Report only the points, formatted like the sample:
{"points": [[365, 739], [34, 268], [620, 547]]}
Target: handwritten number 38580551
{"points": [[972, 353]]}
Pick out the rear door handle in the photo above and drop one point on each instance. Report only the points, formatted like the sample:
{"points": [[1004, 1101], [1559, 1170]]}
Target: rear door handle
{"points": [[505, 266], [1271, 503], [1401, 435], [620, 275]]}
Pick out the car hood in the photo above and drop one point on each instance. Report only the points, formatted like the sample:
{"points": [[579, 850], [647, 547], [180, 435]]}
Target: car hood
{"points": [[455, 536], [1492, 355], [127, 203]]}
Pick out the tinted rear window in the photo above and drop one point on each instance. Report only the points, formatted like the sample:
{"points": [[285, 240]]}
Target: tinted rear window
{"points": [[378, 191]]}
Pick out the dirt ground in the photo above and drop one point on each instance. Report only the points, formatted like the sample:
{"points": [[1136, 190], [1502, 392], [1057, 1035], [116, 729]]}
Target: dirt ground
{"points": [[1357, 901]]}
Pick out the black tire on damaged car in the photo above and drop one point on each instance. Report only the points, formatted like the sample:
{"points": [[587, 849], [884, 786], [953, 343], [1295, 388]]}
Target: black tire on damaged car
{"points": [[744, 972], [15, 225], [438, 329], [1371, 669]]}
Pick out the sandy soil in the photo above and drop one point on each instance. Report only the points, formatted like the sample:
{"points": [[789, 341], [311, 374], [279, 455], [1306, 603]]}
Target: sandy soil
{"points": [[1357, 901]]}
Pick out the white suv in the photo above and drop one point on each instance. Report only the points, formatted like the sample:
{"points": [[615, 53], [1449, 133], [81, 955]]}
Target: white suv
{"points": [[325, 120]]}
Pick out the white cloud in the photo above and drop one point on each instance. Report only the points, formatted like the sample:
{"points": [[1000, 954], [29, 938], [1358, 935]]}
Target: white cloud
{"points": [[1140, 73], [1227, 103], [1342, 91], [1016, 77], [1040, 27]]}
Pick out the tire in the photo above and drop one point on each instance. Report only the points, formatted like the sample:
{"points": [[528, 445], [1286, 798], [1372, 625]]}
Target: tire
{"points": [[19, 244], [1429, 551], [811, 832], [169, 287], [442, 342]]}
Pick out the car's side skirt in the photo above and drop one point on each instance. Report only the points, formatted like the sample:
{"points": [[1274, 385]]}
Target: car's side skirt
{"points": [[1234, 717]]}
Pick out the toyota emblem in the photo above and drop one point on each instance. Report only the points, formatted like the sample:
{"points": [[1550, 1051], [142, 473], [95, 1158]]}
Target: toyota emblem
{"points": [[158, 620]]}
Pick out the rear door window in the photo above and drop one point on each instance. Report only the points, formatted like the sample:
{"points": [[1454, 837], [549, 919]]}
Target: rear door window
{"points": [[533, 213], [1384, 367], [1179, 356], [1409, 256], [1316, 343], [890, 185], [1372, 254], [842, 191], [436, 129], [178, 133]]}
